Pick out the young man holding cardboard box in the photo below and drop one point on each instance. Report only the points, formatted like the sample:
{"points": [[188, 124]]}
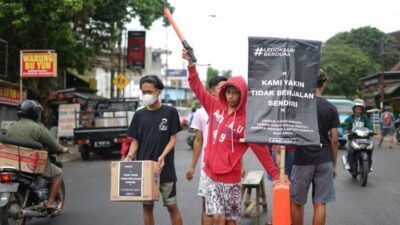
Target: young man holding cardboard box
{"points": [[154, 129]]}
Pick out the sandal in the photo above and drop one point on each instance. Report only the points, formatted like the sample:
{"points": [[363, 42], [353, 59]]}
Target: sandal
{"points": [[52, 207]]}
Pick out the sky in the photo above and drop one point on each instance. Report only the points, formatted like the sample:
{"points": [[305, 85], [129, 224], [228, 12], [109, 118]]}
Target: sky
{"points": [[218, 30]]}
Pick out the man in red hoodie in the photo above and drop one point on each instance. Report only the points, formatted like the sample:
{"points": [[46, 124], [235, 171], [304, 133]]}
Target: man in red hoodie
{"points": [[224, 151]]}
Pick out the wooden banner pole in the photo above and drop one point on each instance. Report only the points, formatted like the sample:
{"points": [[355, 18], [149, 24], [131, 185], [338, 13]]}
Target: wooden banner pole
{"points": [[21, 88]]}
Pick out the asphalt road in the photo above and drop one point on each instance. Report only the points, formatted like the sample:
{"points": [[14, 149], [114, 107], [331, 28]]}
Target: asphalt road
{"points": [[88, 186]]}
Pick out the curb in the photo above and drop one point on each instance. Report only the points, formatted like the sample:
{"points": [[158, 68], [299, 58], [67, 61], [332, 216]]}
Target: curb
{"points": [[71, 157]]}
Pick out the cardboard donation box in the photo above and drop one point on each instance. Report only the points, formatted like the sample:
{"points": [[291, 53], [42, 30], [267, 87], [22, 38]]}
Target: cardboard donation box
{"points": [[25, 159], [135, 181]]}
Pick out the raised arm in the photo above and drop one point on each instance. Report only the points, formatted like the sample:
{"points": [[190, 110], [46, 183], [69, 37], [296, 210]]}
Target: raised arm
{"points": [[206, 99]]}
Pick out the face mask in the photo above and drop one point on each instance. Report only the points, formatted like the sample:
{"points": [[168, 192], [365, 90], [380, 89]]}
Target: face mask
{"points": [[149, 99]]}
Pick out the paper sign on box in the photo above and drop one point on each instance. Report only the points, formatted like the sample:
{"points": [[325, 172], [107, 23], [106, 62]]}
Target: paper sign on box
{"points": [[134, 181]]}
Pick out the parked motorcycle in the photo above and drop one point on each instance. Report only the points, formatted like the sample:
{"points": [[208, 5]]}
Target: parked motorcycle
{"points": [[362, 146], [23, 195], [397, 126]]}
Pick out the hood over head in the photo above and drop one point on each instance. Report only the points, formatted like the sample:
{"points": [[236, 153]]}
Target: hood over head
{"points": [[240, 84]]}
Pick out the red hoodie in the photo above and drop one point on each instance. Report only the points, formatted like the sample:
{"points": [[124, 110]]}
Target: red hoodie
{"points": [[224, 153]]}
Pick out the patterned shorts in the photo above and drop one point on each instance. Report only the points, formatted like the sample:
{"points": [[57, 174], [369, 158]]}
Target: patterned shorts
{"points": [[223, 199], [202, 184]]}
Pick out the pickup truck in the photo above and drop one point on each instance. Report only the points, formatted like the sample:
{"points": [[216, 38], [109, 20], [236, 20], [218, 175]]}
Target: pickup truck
{"points": [[103, 127]]}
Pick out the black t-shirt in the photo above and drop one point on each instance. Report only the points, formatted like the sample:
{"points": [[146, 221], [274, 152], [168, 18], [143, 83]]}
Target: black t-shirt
{"points": [[153, 130], [328, 118]]}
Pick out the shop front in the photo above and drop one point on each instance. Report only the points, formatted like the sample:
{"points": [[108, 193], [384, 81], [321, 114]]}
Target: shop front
{"points": [[9, 100]]}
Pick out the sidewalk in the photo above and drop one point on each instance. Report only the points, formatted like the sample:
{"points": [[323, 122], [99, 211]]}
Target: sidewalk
{"points": [[71, 157]]}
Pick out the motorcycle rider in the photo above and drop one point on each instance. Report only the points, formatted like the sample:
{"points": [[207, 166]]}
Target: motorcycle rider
{"points": [[28, 128], [358, 119]]}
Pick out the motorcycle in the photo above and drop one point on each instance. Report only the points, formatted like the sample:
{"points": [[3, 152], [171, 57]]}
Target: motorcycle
{"points": [[362, 146], [23, 196], [397, 126]]}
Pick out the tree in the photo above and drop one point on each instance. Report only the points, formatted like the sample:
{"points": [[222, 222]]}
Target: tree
{"points": [[211, 72], [345, 65], [76, 29], [368, 40], [226, 73]]}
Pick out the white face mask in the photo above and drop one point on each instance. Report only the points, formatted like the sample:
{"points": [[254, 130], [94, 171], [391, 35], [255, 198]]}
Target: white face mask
{"points": [[148, 99]]}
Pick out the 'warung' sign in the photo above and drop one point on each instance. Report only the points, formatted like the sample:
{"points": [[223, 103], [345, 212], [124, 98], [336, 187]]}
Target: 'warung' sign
{"points": [[281, 107], [37, 63]]}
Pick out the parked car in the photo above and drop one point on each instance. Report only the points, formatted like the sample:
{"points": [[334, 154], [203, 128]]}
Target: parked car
{"points": [[344, 108]]}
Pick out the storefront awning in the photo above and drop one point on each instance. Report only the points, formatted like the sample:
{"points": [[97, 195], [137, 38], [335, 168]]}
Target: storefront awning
{"points": [[390, 89], [85, 77], [73, 95], [9, 93]]}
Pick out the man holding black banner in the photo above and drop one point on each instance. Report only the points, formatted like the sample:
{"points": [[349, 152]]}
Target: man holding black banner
{"points": [[225, 149], [154, 130], [316, 165]]}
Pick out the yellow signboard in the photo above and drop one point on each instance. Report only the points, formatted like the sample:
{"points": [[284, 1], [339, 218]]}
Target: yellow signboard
{"points": [[121, 81]]}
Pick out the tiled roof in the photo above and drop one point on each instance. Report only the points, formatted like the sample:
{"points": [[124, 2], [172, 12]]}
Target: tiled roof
{"points": [[396, 67]]}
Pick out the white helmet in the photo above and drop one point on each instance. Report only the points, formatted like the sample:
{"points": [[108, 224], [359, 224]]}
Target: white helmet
{"points": [[358, 103]]}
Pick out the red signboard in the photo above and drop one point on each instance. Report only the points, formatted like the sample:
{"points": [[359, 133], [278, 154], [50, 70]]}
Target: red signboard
{"points": [[136, 49], [38, 64]]}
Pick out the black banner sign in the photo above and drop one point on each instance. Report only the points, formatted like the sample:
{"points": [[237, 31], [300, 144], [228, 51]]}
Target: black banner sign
{"points": [[136, 49], [130, 179], [281, 107]]}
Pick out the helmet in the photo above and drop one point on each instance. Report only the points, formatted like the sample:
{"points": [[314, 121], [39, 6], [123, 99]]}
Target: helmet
{"points": [[358, 103], [30, 109]]}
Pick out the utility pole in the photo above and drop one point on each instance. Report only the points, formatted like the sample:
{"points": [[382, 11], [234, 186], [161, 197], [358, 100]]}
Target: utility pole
{"points": [[5, 57], [166, 62], [125, 39], [382, 79], [120, 28]]}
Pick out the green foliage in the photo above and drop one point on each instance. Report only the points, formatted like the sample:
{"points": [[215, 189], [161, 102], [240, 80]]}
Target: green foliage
{"points": [[345, 65], [211, 72], [76, 29], [349, 56], [368, 40]]}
